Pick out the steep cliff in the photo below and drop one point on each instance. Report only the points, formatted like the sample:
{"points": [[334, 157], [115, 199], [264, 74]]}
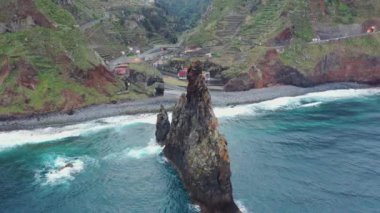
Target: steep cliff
{"points": [[197, 149]]}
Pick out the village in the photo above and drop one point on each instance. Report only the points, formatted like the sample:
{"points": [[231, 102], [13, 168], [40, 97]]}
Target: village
{"points": [[172, 61], [160, 57]]}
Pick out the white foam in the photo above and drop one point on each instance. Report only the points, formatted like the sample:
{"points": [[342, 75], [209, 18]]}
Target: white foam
{"points": [[60, 171], [241, 206], [315, 104], [22, 137], [162, 159], [150, 150], [17, 138], [142, 152], [286, 103], [195, 207], [232, 111]]}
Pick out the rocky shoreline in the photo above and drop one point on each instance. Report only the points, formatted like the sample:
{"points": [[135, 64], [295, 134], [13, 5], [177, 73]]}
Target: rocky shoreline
{"points": [[152, 105]]}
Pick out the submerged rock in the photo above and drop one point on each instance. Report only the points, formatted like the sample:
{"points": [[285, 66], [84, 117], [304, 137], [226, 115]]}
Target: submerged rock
{"points": [[196, 148]]}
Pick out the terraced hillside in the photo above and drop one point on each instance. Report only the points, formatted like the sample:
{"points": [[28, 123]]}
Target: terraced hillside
{"points": [[115, 25], [229, 26], [288, 41]]}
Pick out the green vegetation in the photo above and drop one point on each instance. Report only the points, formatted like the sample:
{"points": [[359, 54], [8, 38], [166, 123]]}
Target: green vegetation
{"points": [[299, 12], [61, 60], [305, 56], [174, 81], [204, 33], [348, 12], [55, 13], [265, 21], [144, 68], [368, 44], [186, 13]]}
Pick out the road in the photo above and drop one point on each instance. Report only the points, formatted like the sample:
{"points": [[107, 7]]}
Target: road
{"points": [[92, 23], [151, 53]]}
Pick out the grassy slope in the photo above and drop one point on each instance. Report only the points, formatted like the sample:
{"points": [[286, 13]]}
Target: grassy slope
{"points": [[305, 57], [42, 48]]}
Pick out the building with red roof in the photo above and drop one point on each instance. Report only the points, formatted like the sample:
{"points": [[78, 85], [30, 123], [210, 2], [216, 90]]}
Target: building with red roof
{"points": [[183, 73]]}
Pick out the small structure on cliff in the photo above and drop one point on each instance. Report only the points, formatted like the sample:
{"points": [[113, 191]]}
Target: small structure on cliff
{"points": [[195, 147], [182, 74]]}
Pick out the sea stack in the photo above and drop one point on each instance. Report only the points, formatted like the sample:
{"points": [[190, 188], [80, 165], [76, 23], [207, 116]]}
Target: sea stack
{"points": [[196, 149]]}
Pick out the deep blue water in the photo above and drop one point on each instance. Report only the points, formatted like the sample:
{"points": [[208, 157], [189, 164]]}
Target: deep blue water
{"points": [[314, 153]]}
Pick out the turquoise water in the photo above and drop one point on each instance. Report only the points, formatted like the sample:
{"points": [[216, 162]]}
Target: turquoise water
{"points": [[314, 153]]}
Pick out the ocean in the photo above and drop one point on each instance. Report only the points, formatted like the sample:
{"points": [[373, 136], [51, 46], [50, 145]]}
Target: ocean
{"points": [[318, 152]]}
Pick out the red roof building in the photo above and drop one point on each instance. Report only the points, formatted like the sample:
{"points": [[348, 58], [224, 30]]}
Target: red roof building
{"points": [[183, 73], [121, 69]]}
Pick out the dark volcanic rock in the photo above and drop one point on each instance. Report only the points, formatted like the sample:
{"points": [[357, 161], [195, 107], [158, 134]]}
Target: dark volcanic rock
{"points": [[196, 148], [241, 83], [160, 89], [162, 126], [159, 85]]}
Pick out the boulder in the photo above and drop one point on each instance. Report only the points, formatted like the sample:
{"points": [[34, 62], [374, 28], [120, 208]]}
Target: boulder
{"points": [[197, 150], [240, 83], [160, 89], [152, 80], [137, 77]]}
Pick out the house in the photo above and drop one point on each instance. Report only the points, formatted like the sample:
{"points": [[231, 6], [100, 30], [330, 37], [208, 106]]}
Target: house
{"points": [[207, 76], [182, 75], [371, 29], [121, 69]]}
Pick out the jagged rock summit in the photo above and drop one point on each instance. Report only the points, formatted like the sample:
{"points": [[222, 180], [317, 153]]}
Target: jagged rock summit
{"points": [[196, 149]]}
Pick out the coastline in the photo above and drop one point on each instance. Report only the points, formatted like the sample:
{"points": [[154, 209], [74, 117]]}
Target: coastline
{"points": [[152, 105]]}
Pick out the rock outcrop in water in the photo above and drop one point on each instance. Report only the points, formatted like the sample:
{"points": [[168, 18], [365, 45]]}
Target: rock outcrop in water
{"points": [[196, 148], [162, 126]]}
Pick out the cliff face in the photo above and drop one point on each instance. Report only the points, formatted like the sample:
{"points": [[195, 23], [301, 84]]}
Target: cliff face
{"points": [[196, 148], [337, 66]]}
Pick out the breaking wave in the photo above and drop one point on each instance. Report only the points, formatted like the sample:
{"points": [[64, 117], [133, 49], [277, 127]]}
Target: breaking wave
{"points": [[60, 170], [21, 137], [151, 149], [241, 206], [197, 208], [288, 103]]}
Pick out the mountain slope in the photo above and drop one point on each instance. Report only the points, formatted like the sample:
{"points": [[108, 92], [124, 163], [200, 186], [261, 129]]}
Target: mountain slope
{"points": [[243, 34], [185, 13], [116, 25], [46, 64]]}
